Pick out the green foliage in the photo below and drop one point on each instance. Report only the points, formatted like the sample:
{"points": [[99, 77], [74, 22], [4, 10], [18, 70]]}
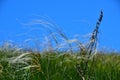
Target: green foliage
{"points": [[51, 66]]}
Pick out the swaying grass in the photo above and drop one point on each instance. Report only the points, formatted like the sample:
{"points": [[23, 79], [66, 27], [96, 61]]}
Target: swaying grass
{"points": [[51, 66], [60, 58]]}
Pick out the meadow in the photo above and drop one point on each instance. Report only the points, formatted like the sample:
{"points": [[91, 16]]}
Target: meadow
{"points": [[59, 58], [57, 66]]}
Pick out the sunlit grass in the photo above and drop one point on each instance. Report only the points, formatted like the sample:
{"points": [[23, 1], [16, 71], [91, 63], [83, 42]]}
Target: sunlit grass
{"points": [[51, 66], [58, 58]]}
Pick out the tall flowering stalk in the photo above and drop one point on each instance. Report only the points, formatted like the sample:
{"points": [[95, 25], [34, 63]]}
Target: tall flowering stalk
{"points": [[92, 46]]}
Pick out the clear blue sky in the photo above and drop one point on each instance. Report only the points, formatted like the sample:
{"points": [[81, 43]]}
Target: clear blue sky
{"points": [[73, 16]]}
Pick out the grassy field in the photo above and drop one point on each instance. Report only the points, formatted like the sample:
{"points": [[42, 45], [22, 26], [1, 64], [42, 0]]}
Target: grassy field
{"points": [[59, 58], [57, 66]]}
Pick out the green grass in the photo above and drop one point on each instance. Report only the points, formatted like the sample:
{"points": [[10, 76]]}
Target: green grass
{"points": [[52, 66], [57, 59]]}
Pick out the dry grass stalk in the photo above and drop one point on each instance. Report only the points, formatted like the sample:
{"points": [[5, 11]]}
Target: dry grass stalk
{"points": [[91, 47]]}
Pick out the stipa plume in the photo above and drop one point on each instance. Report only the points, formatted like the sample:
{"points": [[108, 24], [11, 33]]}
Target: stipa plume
{"points": [[23, 58], [55, 35], [55, 40], [27, 63]]}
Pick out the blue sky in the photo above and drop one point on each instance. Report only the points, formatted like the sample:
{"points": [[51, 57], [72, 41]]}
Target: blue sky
{"points": [[73, 16]]}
